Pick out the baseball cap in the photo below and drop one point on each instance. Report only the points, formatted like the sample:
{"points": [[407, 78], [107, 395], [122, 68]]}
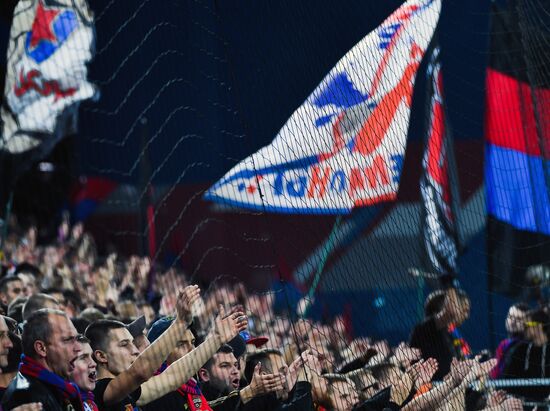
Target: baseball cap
{"points": [[137, 326], [256, 341], [159, 327]]}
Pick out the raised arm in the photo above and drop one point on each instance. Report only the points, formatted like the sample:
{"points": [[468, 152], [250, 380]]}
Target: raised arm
{"points": [[225, 329], [453, 389], [153, 356]]}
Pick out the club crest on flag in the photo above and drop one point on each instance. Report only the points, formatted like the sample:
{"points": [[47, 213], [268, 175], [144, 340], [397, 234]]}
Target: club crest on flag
{"points": [[344, 146], [50, 29]]}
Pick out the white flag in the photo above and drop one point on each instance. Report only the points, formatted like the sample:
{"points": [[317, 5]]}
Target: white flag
{"points": [[344, 146], [50, 44]]}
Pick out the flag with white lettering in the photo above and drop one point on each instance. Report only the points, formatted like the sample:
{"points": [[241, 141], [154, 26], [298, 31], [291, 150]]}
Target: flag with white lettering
{"points": [[344, 146], [438, 219], [50, 44]]}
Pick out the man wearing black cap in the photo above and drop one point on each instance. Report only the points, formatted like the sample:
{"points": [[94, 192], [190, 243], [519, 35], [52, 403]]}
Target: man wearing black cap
{"points": [[137, 328]]}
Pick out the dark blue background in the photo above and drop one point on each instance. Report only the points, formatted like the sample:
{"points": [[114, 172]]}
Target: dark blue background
{"points": [[233, 73]]}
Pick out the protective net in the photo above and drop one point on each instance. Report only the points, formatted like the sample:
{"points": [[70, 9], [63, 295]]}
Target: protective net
{"points": [[234, 147]]}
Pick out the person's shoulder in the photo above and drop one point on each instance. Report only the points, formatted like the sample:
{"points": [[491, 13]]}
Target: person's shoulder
{"points": [[103, 382], [99, 390], [99, 393], [24, 390], [424, 329]]}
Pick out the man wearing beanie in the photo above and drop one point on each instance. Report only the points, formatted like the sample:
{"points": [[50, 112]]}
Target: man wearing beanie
{"points": [[188, 396]]}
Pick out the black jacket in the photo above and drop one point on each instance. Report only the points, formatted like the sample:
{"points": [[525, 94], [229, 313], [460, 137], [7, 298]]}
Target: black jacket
{"points": [[210, 392], [434, 342], [526, 360], [25, 390], [175, 401], [299, 399]]}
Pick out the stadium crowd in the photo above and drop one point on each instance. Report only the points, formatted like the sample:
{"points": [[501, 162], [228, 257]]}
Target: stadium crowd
{"points": [[81, 332]]}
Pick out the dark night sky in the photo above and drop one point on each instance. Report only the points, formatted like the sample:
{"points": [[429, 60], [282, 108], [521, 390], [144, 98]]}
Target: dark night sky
{"points": [[224, 70]]}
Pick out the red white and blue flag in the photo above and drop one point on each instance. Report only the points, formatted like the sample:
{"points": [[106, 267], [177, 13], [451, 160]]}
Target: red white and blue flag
{"points": [[50, 44], [344, 146]]}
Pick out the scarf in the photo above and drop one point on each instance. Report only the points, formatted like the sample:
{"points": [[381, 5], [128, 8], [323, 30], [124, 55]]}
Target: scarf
{"points": [[502, 348], [191, 392], [88, 401], [460, 345], [70, 392]]}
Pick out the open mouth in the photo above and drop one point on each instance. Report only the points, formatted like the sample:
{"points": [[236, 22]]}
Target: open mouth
{"points": [[71, 364], [235, 383], [92, 376]]}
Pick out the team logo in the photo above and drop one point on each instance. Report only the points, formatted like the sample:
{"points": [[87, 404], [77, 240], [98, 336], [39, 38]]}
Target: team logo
{"points": [[197, 402], [50, 29]]}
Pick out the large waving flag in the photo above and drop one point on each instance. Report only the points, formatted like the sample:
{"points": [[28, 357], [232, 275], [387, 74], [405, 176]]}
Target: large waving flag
{"points": [[50, 44], [344, 146], [517, 155]]}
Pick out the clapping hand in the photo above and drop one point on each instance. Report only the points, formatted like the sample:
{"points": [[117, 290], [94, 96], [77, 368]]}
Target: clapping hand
{"points": [[186, 298], [480, 370], [423, 371], [228, 326], [406, 355], [263, 383]]}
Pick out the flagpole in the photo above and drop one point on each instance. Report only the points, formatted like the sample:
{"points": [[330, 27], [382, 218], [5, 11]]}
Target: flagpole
{"points": [[456, 203], [327, 250], [147, 245]]}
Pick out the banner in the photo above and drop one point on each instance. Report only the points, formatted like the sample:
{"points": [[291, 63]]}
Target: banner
{"points": [[438, 225], [517, 138], [50, 44], [344, 146]]}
